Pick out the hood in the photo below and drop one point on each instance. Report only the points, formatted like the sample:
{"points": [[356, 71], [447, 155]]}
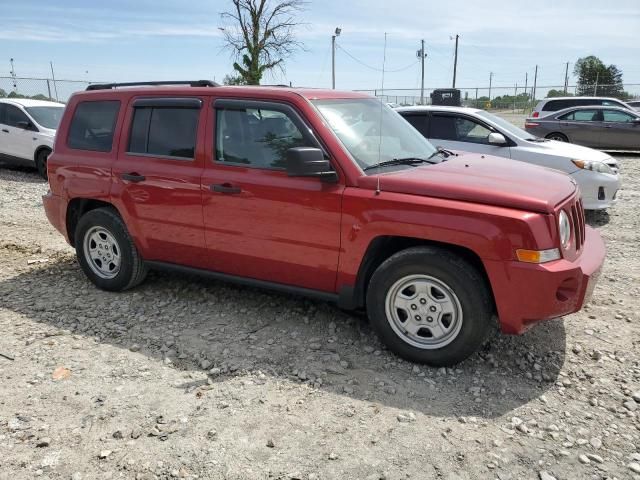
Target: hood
{"points": [[481, 179], [569, 150]]}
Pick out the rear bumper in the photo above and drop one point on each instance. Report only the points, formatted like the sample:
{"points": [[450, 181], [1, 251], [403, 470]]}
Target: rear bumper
{"points": [[528, 293], [55, 208]]}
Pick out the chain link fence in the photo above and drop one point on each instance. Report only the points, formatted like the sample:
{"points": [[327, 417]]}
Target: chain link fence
{"points": [[40, 88], [516, 98]]}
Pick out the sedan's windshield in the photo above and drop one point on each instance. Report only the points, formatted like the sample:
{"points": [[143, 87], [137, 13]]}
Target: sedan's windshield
{"points": [[505, 125], [48, 117], [373, 133]]}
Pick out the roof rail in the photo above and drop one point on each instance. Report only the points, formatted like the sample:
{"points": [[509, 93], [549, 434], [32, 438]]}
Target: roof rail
{"points": [[191, 83]]}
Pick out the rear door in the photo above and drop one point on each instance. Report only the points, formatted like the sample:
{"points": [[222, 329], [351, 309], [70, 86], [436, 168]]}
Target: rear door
{"points": [[621, 130], [582, 126], [156, 177], [461, 132]]}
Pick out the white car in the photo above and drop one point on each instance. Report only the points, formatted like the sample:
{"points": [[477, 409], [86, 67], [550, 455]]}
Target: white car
{"points": [[27, 130], [473, 130]]}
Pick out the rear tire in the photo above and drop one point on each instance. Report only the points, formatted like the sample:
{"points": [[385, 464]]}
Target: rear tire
{"points": [[430, 306], [558, 137], [106, 251], [41, 162]]}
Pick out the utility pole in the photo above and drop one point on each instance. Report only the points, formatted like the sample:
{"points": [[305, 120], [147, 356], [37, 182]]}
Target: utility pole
{"points": [[13, 75], [526, 81], [490, 80], [455, 62], [422, 55], [535, 81], [595, 88], [333, 56], [55, 87], [515, 94], [566, 78]]}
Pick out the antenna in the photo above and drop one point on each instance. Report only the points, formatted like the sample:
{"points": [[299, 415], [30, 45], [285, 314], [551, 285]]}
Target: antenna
{"points": [[384, 61]]}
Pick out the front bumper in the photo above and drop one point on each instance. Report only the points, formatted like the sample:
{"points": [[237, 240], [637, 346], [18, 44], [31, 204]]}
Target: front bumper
{"points": [[599, 190], [527, 293]]}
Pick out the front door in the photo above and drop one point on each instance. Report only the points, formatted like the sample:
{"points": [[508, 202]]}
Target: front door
{"points": [[583, 127], [459, 132], [621, 130], [17, 141], [260, 223], [156, 178]]}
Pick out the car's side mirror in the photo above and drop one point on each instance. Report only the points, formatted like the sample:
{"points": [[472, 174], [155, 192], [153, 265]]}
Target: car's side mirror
{"points": [[309, 162], [497, 139]]}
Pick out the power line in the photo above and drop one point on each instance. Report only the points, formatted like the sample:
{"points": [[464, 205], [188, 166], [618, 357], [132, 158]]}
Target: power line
{"points": [[374, 68]]}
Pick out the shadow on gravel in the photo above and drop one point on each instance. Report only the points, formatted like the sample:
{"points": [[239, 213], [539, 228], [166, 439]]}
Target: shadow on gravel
{"points": [[204, 325], [26, 174]]}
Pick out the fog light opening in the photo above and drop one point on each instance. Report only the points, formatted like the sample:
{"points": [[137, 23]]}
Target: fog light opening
{"points": [[567, 289], [600, 193]]}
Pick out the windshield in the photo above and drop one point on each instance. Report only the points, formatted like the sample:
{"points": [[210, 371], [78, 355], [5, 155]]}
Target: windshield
{"points": [[505, 125], [372, 132], [48, 117]]}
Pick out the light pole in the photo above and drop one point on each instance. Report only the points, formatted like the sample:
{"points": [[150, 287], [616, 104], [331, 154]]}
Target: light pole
{"points": [[333, 56], [422, 55]]}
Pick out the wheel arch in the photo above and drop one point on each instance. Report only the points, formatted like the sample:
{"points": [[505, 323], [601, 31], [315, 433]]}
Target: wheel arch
{"points": [[40, 149], [381, 248], [76, 208]]}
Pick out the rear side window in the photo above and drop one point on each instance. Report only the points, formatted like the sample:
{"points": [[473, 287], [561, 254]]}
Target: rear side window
{"points": [[582, 116], [164, 132], [92, 126], [555, 105]]}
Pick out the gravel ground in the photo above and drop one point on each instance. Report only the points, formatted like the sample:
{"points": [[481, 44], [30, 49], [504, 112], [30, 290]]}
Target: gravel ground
{"points": [[188, 378]]}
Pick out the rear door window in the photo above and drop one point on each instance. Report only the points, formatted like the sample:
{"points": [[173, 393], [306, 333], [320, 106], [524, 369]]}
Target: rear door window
{"points": [[92, 125], [582, 116]]}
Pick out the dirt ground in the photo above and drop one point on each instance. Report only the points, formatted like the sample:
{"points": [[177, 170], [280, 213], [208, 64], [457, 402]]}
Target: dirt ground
{"points": [[189, 378]]}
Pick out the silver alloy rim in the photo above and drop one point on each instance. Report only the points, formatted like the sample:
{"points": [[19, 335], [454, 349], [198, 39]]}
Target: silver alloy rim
{"points": [[557, 138], [102, 252], [423, 311]]}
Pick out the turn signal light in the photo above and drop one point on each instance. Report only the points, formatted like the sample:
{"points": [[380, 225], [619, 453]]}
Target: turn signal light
{"points": [[537, 256]]}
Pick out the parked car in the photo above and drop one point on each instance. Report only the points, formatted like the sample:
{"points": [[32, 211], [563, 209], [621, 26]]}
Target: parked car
{"points": [[302, 191], [549, 105], [635, 104], [606, 128], [27, 129], [478, 131]]}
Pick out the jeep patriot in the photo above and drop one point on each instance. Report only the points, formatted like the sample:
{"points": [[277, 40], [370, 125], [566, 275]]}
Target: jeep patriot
{"points": [[322, 193]]}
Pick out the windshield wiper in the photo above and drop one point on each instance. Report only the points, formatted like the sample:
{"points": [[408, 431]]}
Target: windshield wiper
{"points": [[400, 161]]}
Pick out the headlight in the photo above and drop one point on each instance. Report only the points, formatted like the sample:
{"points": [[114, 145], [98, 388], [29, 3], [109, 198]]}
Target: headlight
{"points": [[599, 167], [564, 229]]}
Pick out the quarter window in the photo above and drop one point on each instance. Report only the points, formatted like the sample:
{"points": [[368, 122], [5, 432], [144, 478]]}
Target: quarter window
{"points": [[92, 125], [164, 131], [259, 137]]}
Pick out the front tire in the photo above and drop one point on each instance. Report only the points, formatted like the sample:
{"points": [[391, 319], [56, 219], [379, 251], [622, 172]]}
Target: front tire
{"points": [[430, 306], [106, 251]]}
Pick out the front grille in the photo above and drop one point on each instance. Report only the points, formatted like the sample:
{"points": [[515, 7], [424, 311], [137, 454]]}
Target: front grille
{"points": [[577, 221]]}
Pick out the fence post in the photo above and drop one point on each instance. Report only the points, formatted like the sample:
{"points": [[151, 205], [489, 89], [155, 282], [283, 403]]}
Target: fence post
{"points": [[49, 89], [476, 97]]}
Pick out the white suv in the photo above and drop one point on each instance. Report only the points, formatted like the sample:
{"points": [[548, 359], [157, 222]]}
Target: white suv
{"points": [[27, 129], [546, 106]]}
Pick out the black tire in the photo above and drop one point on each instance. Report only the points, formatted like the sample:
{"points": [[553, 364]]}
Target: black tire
{"points": [[557, 136], [41, 162], [132, 269], [463, 279]]}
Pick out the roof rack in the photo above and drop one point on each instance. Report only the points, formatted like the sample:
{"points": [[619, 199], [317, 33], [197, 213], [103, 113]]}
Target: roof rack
{"points": [[191, 83]]}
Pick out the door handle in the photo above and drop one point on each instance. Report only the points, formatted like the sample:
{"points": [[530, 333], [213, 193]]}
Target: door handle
{"points": [[608, 126], [225, 188], [132, 177], [5, 130]]}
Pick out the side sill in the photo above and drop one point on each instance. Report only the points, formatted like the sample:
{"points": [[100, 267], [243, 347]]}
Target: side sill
{"points": [[250, 282]]}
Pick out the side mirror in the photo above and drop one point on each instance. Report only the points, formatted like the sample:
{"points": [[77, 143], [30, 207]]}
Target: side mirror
{"points": [[309, 162], [24, 125], [497, 139]]}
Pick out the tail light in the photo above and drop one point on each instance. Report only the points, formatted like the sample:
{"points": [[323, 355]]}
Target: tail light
{"points": [[531, 124], [536, 114]]}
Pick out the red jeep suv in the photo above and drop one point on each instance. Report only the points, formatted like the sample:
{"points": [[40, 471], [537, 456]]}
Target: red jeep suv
{"points": [[321, 193]]}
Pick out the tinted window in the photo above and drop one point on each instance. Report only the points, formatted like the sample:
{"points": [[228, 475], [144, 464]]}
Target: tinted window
{"points": [[164, 131], [616, 116], [582, 116], [257, 137], [13, 115], [469, 131], [419, 122], [555, 105], [2, 110], [92, 125], [48, 117], [443, 127]]}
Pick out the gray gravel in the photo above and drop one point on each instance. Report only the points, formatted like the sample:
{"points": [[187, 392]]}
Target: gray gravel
{"points": [[188, 378]]}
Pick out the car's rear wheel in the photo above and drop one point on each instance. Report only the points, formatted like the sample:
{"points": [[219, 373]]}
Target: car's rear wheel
{"points": [[41, 162], [429, 305], [106, 251], [558, 137]]}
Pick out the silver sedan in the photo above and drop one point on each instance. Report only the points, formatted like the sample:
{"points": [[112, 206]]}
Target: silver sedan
{"points": [[604, 128]]}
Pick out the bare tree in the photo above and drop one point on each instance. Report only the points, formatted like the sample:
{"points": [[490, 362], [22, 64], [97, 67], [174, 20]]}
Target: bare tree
{"points": [[262, 35]]}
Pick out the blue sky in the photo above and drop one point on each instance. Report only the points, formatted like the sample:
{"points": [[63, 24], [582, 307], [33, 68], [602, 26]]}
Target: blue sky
{"points": [[126, 40]]}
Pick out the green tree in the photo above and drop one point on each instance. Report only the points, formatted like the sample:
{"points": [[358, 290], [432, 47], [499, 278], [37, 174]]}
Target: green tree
{"points": [[3, 94], [596, 78], [261, 36], [558, 93], [231, 79]]}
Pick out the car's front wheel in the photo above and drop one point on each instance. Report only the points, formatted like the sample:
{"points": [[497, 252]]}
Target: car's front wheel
{"points": [[558, 137], [429, 305], [106, 251]]}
